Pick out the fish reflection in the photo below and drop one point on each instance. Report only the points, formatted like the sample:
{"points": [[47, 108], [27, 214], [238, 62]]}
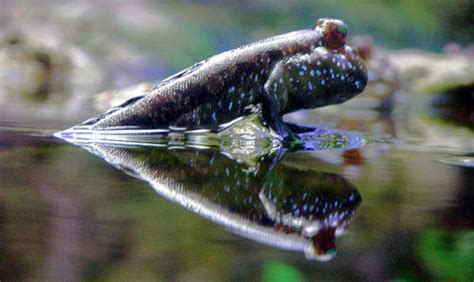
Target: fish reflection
{"points": [[269, 201]]}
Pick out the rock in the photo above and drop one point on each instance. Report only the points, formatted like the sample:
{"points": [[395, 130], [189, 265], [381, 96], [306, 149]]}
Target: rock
{"points": [[425, 72], [45, 71]]}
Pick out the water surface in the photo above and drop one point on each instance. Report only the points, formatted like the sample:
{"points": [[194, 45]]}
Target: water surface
{"points": [[392, 207]]}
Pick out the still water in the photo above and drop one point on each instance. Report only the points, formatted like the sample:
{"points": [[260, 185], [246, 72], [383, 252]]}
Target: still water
{"points": [[371, 200]]}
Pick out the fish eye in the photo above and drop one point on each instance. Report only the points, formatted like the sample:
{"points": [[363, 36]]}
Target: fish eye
{"points": [[341, 30], [338, 32], [334, 32], [336, 35]]}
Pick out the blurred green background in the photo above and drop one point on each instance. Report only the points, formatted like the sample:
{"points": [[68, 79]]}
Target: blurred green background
{"points": [[175, 34]]}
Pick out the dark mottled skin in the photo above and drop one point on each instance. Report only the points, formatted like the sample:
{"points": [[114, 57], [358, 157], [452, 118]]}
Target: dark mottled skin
{"points": [[298, 70]]}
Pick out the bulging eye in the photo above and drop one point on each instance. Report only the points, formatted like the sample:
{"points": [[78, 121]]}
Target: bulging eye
{"points": [[337, 36], [341, 30], [334, 32]]}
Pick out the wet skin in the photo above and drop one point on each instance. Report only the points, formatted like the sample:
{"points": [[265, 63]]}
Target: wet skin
{"points": [[298, 70]]}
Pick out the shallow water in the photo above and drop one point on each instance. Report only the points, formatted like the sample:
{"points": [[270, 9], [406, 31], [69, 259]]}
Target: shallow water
{"points": [[395, 206]]}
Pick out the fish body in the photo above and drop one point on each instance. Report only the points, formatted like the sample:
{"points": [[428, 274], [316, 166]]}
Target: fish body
{"points": [[298, 70]]}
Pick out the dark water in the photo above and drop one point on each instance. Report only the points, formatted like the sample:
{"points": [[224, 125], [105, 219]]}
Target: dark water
{"points": [[355, 205]]}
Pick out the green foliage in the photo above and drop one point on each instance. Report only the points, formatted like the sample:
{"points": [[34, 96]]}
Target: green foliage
{"points": [[276, 271], [446, 255]]}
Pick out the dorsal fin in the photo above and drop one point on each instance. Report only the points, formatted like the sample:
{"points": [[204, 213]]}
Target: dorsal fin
{"points": [[128, 102], [133, 100], [180, 74]]}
